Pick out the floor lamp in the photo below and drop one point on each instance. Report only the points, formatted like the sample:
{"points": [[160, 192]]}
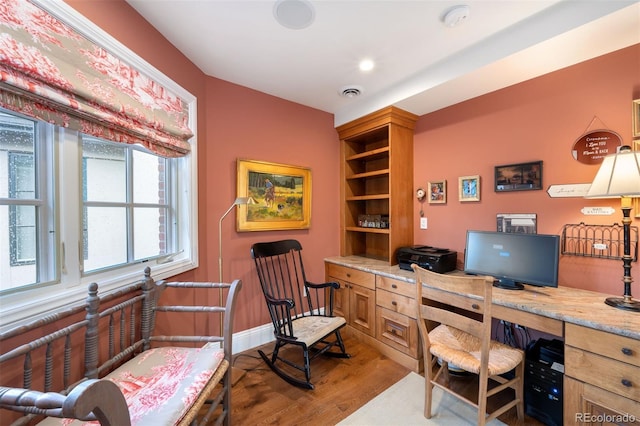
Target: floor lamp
{"points": [[236, 373], [619, 177]]}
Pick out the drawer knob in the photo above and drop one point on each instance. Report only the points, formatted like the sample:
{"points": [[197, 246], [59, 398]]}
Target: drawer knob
{"points": [[394, 286], [475, 306], [626, 383], [348, 275], [627, 351], [394, 303]]}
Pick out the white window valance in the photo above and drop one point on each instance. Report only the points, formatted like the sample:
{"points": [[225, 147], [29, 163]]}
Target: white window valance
{"points": [[51, 72]]}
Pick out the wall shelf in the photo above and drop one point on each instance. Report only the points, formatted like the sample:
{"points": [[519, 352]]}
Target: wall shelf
{"points": [[600, 241], [376, 172]]}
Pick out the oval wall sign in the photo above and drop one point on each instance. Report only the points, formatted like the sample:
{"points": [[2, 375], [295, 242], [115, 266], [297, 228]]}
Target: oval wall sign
{"points": [[592, 147]]}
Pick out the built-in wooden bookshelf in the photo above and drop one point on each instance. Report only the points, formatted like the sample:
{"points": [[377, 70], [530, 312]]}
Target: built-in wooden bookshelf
{"points": [[377, 182]]}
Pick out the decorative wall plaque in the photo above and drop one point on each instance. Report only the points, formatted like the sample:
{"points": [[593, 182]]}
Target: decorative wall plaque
{"points": [[568, 190], [598, 211], [593, 146]]}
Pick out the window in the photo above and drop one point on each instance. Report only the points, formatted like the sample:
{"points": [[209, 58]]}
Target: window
{"points": [[24, 202], [76, 209], [127, 215]]}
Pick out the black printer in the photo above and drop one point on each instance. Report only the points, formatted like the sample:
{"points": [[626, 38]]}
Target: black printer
{"points": [[432, 258]]}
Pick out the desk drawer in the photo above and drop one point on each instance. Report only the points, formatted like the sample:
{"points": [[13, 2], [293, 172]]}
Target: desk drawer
{"points": [[365, 279], [397, 330], [606, 373], [602, 343], [396, 303], [396, 286]]}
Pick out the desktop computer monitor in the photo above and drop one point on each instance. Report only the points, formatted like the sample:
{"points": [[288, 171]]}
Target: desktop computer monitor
{"points": [[513, 259]]}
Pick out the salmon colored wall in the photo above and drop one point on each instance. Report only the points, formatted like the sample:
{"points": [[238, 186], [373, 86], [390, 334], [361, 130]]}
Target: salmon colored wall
{"points": [[536, 120], [247, 124], [237, 122]]}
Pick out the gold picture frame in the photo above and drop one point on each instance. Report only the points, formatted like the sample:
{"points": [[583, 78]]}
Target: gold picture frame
{"points": [[281, 196], [437, 191], [635, 118], [469, 188]]}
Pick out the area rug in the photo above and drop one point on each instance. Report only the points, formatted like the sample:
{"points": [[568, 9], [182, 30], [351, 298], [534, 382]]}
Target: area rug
{"points": [[403, 404]]}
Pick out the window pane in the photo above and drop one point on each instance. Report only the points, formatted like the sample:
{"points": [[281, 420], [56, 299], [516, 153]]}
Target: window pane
{"points": [[22, 176], [149, 232], [104, 171], [23, 234], [106, 236], [18, 142], [12, 273], [148, 178], [22, 219]]}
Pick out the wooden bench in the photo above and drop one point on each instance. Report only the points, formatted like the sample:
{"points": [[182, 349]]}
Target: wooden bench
{"points": [[109, 366]]}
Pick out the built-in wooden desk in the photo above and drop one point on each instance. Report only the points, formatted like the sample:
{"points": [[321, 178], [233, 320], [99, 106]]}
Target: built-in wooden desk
{"points": [[602, 343]]}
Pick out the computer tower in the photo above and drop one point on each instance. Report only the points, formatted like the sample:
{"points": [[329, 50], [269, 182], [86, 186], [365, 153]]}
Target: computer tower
{"points": [[544, 372]]}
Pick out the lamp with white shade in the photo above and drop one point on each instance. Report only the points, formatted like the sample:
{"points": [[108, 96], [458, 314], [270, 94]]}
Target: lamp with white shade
{"points": [[619, 177]]}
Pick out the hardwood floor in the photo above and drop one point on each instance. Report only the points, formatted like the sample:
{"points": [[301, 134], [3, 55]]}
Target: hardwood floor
{"points": [[341, 387]]}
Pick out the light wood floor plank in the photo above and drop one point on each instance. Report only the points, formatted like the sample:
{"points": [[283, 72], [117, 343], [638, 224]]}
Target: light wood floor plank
{"points": [[342, 386]]}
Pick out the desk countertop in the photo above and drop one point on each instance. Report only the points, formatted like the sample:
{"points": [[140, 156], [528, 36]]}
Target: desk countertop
{"points": [[567, 304]]}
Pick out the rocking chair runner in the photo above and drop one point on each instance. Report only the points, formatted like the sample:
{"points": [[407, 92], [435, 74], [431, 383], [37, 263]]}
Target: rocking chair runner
{"points": [[296, 309]]}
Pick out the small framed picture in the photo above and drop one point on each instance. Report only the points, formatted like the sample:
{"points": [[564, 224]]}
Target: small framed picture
{"points": [[519, 177], [469, 188], [636, 118], [438, 192]]}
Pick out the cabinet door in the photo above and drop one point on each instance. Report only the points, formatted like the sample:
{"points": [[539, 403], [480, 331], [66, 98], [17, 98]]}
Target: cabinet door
{"points": [[362, 305], [585, 404], [341, 300]]}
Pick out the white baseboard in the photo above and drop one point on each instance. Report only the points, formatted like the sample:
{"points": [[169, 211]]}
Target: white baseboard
{"points": [[248, 339]]}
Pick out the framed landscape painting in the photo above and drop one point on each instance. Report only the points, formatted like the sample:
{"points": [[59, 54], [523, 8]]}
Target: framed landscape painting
{"points": [[281, 195]]}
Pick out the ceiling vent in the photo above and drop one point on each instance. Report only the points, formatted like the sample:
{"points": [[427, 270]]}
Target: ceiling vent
{"points": [[350, 91]]}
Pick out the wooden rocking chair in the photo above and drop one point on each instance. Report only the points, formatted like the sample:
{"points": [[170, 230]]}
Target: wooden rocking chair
{"points": [[296, 309]]}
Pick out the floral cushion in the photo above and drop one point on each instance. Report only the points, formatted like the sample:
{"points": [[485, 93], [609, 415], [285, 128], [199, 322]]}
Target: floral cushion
{"points": [[160, 385], [311, 329]]}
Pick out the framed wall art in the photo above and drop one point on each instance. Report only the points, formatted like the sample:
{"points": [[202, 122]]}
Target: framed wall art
{"points": [[437, 192], [282, 195], [518, 177], [469, 188], [636, 118]]}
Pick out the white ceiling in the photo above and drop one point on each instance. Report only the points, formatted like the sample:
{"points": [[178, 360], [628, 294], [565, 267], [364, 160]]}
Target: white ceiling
{"points": [[421, 65]]}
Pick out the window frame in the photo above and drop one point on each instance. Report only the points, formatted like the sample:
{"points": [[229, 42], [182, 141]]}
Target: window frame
{"points": [[69, 286]]}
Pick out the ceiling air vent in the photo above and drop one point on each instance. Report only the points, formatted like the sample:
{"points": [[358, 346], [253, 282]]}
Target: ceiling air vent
{"points": [[350, 91]]}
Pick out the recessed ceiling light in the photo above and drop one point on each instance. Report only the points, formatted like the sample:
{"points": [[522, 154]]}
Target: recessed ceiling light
{"points": [[456, 16], [294, 14], [366, 65]]}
